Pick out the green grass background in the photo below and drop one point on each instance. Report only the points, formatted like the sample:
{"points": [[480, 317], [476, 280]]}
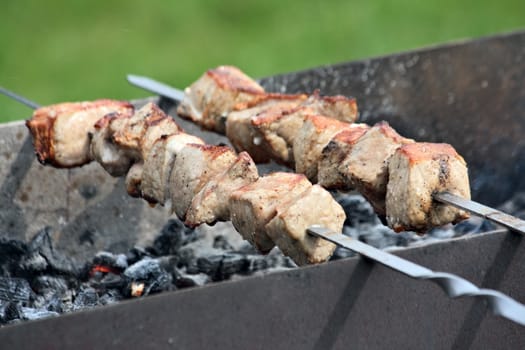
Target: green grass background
{"points": [[57, 50]]}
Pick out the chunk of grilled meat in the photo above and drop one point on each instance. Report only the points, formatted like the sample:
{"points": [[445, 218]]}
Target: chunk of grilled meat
{"points": [[366, 164], [134, 180], [194, 166], [338, 156], [330, 173], [211, 203], [136, 134], [254, 205], [417, 171], [206, 183], [114, 159], [287, 229], [61, 132], [158, 165], [209, 100], [244, 136], [338, 107], [311, 139], [278, 129]]}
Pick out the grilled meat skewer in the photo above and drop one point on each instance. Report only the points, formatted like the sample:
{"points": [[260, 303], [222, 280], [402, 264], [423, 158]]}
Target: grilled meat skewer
{"points": [[204, 183], [317, 138], [60, 132]]}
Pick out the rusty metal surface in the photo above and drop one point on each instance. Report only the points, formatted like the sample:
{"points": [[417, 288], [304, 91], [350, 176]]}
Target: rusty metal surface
{"points": [[470, 94], [350, 303]]}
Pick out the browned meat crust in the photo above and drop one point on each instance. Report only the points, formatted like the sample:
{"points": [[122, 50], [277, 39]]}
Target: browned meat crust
{"points": [[215, 94], [366, 164], [55, 125], [330, 173], [417, 171], [254, 205]]}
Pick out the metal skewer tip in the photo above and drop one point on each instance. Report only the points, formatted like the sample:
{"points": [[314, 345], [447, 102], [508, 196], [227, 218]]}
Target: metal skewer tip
{"points": [[156, 87], [18, 98]]}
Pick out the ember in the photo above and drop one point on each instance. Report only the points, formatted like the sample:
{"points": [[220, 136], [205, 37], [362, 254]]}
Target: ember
{"points": [[39, 281]]}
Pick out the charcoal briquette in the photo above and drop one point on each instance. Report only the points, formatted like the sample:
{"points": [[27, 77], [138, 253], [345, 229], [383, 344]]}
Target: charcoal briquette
{"points": [[29, 313], [116, 261], [233, 263], [86, 297], [42, 245], [184, 280], [14, 289], [9, 311], [221, 242]]}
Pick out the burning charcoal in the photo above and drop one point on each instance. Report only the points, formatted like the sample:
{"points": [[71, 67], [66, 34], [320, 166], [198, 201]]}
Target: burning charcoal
{"points": [[87, 297], [173, 236], [256, 263], [136, 254], [110, 297], [357, 209], [407, 238], [380, 237], [14, 289], [108, 281], [42, 245], [33, 263], [210, 265], [149, 272], [220, 242], [11, 252], [233, 263], [192, 266], [137, 289], [28, 313], [221, 267], [47, 285], [9, 311], [183, 280], [247, 248], [117, 262], [55, 304], [187, 259]]}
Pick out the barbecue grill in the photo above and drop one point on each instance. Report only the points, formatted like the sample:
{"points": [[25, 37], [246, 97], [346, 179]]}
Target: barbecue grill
{"points": [[468, 94]]}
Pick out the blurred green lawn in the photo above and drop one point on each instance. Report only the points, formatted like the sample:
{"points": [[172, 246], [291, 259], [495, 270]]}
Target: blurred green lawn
{"points": [[57, 50]]}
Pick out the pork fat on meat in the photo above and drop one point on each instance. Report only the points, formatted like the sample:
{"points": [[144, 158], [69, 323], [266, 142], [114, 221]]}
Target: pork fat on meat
{"points": [[208, 101], [61, 132]]}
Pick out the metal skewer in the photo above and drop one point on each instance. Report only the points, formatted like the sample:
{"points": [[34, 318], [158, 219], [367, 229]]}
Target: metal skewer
{"points": [[509, 221], [19, 98], [454, 286], [500, 304]]}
